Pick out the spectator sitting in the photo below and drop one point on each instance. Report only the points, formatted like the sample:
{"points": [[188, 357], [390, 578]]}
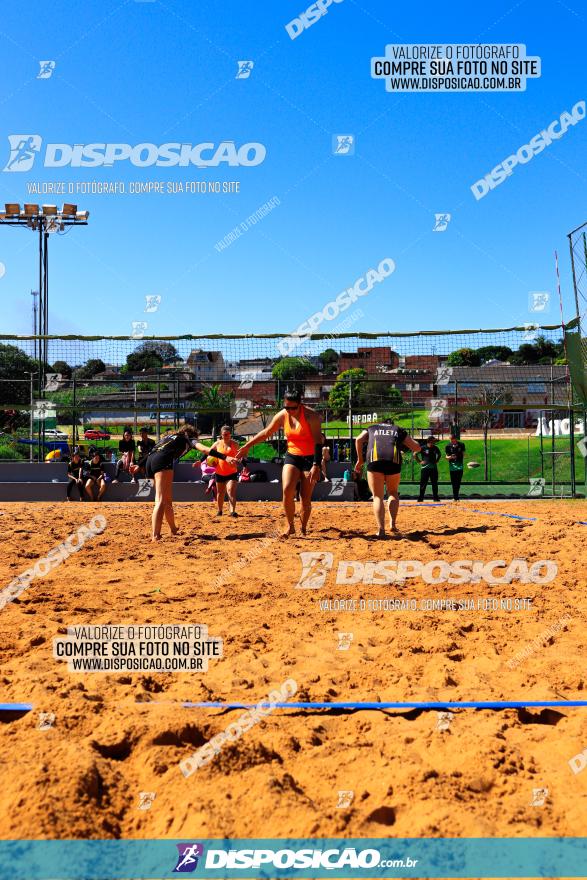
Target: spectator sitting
{"points": [[75, 474], [126, 447], [95, 476], [144, 447]]}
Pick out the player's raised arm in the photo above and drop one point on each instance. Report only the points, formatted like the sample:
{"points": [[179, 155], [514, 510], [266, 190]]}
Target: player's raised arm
{"points": [[412, 445], [274, 425]]}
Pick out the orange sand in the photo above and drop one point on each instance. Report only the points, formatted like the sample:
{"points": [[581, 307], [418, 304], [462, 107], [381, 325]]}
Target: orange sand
{"points": [[82, 778]]}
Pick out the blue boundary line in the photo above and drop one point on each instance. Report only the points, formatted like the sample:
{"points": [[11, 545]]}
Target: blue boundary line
{"points": [[15, 707], [473, 704], [514, 704], [514, 516], [509, 515]]}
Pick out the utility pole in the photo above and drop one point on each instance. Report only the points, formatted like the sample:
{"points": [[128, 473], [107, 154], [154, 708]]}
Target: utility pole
{"points": [[31, 374], [350, 419]]}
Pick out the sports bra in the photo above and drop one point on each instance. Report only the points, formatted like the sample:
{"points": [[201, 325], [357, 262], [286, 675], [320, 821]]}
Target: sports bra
{"points": [[300, 440], [223, 467]]}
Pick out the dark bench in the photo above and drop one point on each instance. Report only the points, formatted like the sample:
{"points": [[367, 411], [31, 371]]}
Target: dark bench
{"points": [[33, 481], [47, 481]]}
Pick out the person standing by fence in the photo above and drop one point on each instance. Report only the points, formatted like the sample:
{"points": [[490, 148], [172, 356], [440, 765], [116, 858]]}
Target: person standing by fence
{"points": [[429, 456], [455, 451]]}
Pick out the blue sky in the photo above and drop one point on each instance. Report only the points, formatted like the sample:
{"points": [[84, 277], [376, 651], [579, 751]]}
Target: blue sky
{"points": [[134, 72]]}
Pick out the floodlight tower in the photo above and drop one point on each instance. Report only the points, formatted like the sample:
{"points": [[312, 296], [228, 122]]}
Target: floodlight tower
{"points": [[45, 221]]}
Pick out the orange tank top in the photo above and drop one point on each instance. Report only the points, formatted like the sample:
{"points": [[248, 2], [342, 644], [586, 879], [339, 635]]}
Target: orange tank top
{"points": [[223, 467], [300, 440]]}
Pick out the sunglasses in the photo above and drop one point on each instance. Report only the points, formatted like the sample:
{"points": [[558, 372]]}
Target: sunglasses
{"points": [[295, 406]]}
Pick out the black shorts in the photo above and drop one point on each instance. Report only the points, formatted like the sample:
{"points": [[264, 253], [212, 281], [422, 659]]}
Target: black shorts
{"points": [[301, 462], [157, 462], [384, 467], [225, 478]]}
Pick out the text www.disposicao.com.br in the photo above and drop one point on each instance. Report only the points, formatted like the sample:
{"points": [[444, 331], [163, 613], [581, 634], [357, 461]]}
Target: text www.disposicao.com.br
{"points": [[135, 664]]}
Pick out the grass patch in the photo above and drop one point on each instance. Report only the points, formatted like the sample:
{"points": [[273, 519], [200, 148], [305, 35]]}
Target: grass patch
{"points": [[421, 420]]}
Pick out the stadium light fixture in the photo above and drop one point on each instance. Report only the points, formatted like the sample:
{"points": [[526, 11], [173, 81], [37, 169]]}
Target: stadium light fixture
{"points": [[51, 220]]}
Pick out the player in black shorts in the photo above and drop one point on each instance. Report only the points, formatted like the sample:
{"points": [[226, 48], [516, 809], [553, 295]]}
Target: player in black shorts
{"points": [[95, 476], [159, 467], [75, 474], [385, 442]]}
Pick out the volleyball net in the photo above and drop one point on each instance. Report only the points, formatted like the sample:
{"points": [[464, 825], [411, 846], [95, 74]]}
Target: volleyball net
{"points": [[226, 359], [518, 368], [528, 379]]}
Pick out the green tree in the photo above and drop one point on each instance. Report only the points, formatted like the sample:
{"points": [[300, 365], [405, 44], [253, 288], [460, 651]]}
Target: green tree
{"points": [[486, 403], [15, 364], [541, 351], [464, 357], [378, 394], [90, 369], [10, 451], [215, 402], [165, 350], [548, 350], [293, 372], [367, 393], [494, 352], [151, 386], [338, 399], [293, 368], [151, 355], [329, 359], [63, 368], [11, 420], [139, 361]]}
